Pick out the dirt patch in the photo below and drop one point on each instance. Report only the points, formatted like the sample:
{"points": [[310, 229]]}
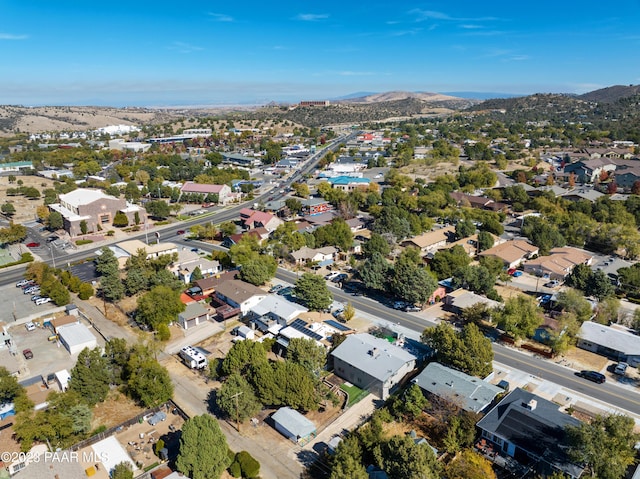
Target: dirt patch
{"points": [[508, 292], [25, 208], [429, 172], [116, 409], [577, 358]]}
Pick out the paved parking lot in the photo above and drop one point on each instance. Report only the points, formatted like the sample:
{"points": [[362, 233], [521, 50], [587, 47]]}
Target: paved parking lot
{"points": [[48, 356], [16, 305]]}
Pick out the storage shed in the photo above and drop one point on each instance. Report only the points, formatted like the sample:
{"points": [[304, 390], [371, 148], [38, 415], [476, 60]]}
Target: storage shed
{"points": [[293, 425], [75, 337]]}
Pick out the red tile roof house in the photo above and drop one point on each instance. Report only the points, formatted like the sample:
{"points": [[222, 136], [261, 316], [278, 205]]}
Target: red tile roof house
{"points": [[223, 191], [254, 219]]}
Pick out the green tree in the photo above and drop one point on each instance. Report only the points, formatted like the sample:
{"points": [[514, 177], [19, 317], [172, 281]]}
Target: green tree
{"points": [[160, 306], [308, 354], [158, 209], [8, 209], [414, 401], [122, 471], [607, 310], [312, 290], [519, 317], [12, 391], [148, 381], [90, 376], [542, 233], [259, 270], [412, 283], [468, 351], [347, 460], [301, 189], [203, 449], [227, 228], [120, 220], [112, 288], [374, 272], [401, 457], [447, 261], [337, 233], [376, 244], [236, 399], [465, 228], [572, 301], [85, 291], [12, 234], [606, 445], [84, 228], [349, 313], [485, 241], [294, 205], [106, 262], [599, 285], [55, 221], [196, 274], [241, 355]]}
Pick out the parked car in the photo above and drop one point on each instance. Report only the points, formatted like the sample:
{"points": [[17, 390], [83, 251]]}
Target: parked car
{"points": [[399, 305], [23, 283], [621, 368], [52, 238], [410, 308], [552, 284], [517, 274], [594, 376], [340, 278], [30, 326], [31, 290], [276, 288], [27, 353], [43, 300], [33, 244], [331, 275], [35, 297], [180, 232]]}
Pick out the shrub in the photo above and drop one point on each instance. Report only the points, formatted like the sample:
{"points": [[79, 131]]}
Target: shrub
{"points": [[158, 446], [84, 241], [235, 470], [24, 258], [248, 465], [85, 291]]}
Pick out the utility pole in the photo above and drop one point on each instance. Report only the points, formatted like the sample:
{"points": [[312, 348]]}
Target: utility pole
{"points": [[235, 396]]}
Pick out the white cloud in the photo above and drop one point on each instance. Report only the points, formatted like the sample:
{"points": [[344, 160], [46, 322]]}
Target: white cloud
{"points": [[312, 17], [423, 15], [220, 17], [11, 36]]}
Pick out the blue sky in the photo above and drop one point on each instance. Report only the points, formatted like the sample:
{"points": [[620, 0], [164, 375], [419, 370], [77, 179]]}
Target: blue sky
{"points": [[144, 53]]}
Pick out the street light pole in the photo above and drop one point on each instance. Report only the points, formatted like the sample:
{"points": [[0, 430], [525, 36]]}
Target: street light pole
{"points": [[53, 257]]}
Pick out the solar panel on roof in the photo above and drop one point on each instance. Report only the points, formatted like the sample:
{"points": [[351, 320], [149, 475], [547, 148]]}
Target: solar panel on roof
{"points": [[337, 325], [300, 325]]}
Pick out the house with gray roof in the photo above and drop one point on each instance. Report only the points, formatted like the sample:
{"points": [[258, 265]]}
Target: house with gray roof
{"points": [[293, 425], [467, 392], [372, 363], [531, 429], [274, 309], [239, 294], [612, 342]]}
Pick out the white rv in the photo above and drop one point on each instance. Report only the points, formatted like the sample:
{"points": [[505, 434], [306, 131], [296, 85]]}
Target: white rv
{"points": [[193, 358]]}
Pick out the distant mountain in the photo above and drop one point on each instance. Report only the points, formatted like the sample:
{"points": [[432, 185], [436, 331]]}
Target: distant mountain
{"points": [[358, 94], [399, 95], [481, 95], [611, 94]]}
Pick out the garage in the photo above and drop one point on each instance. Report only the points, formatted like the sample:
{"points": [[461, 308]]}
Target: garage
{"points": [[75, 337], [194, 314]]}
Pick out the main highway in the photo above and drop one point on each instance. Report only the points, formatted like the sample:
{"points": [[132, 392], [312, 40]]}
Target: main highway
{"points": [[609, 394]]}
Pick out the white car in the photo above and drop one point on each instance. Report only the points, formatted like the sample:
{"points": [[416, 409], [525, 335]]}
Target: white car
{"points": [[44, 300], [30, 326]]}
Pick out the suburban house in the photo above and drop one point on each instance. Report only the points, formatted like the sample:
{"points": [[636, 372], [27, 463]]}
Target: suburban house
{"points": [[188, 261], [126, 249], [258, 233], [461, 299], [94, 209], [315, 206], [480, 202], [321, 256], [466, 392], [372, 363], [559, 263], [349, 183], [531, 429], [208, 286], [431, 240], [512, 253], [193, 315], [223, 192], [274, 310], [609, 341], [239, 294], [254, 219], [293, 425]]}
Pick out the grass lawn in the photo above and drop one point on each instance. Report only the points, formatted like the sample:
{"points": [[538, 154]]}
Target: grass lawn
{"points": [[354, 392]]}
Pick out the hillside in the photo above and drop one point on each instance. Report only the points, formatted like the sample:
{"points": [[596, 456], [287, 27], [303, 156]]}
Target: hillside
{"points": [[611, 94]]}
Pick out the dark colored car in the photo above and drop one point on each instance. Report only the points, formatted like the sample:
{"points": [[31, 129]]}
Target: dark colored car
{"points": [[33, 245], [180, 232], [27, 353], [594, 376], [276, 288]]}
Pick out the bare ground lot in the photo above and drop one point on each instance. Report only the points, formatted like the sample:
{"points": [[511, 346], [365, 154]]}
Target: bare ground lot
{"points": [[25, 208]]}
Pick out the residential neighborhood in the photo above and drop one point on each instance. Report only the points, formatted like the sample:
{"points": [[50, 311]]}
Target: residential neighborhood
{"points": [[322, 302]]}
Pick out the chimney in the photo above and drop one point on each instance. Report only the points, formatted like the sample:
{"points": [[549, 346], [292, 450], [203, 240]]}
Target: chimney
{"points": [[374, 353], [531, 405]]}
